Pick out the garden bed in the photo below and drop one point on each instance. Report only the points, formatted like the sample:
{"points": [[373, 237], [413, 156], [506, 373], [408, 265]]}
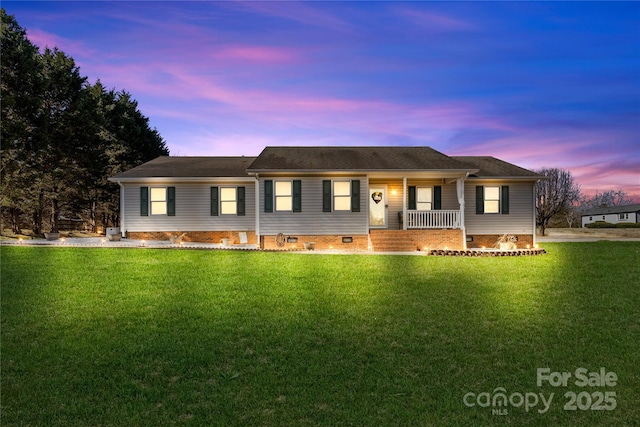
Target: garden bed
{"points": [[488, 252]]}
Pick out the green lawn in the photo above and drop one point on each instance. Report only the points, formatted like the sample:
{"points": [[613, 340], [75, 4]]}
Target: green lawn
{"points": [[127, 337]]}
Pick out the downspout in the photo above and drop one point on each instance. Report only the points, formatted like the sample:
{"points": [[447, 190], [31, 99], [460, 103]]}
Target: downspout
{"points": [[122, 222], [535, 213], [257, 204]]}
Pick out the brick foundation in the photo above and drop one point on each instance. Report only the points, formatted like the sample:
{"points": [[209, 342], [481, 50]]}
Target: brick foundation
{"points": [[416, 240], [489, 240], [360, 242], [381, 240], [194, 236]]}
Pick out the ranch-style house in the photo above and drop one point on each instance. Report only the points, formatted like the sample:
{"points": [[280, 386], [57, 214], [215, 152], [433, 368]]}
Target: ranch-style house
{"points": [[348, 198], [612, 214]]}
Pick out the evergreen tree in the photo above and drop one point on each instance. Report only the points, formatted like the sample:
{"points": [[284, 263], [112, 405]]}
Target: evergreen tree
{"points": [[62, 137], [21, 85], [62, 126]]}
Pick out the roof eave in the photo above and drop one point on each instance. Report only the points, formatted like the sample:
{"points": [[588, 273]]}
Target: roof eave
{"points": [[362, 171], [159, 179], [507, 177]]}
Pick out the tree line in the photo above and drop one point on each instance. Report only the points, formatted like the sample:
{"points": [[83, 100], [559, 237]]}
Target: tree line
{"points": [[62, 137], [560, 202]]}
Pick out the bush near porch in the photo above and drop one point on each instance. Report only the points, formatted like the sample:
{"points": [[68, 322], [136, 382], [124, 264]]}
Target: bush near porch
{"points": [[159, 337]]}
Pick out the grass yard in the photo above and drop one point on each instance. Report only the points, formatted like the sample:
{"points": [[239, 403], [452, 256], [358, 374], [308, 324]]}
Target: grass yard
{"points": [[135, 337]]}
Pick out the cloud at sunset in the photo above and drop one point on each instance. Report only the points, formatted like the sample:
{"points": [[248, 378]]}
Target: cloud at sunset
{"points": [[434, 22], [536, 84]]}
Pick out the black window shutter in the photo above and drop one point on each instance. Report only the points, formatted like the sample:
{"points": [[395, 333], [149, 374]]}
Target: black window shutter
{"points": [[214, 201], [144, 201], [240, 202], [412, 197], [355, 195], [437, 197], [268, 195], [326, 195], [505, 199], [479, 199], [297, 195], [171, 201]]}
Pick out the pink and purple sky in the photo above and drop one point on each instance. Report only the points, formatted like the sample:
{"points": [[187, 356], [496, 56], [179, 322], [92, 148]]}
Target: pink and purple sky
{"points": [[553, 84]]}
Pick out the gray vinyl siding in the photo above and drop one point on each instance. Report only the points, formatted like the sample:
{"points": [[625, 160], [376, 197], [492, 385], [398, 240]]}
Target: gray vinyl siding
{"points": [[518, 221], [193, 209], [312, 220]]}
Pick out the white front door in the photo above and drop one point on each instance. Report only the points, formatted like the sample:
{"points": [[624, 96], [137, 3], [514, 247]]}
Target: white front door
{"points": [[378, 206]]}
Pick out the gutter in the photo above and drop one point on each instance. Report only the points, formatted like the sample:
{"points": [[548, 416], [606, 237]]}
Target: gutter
{"points": [[257, 204], [165, 179]]}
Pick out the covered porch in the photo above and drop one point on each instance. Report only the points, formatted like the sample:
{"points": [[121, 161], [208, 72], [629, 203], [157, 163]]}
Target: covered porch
{"points": [[416, 202], [417, 211]]}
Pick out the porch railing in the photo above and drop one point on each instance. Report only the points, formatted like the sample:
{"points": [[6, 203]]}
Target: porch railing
{"points": [[433, 219]]}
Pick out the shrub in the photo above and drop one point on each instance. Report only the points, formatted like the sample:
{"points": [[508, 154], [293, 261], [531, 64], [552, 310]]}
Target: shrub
{"points": [[628, 225], [601, 224]]}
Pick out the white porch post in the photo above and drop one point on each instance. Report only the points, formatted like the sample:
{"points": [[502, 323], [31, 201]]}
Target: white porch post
{"points": [[460, 191], [404, 202]]}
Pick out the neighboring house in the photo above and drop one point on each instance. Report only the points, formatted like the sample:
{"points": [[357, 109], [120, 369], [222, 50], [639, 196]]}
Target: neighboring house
{"points": [[358, 198], [612, 214]]}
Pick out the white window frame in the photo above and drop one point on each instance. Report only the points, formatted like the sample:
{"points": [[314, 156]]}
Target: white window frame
{"points": [[158, 206], [342, 200], [228, 204], [493, 200], [423, 205], [284, 201]]}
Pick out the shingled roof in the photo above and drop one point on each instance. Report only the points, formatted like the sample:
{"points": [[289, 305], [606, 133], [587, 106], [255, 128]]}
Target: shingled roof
{"points": [[354, 159], [490, 167], [190, 167], [311, 159], [613, 210]]}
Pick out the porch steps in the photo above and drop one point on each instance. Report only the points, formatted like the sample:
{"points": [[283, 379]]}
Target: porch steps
{"points": [[392, 241], [416, 240]]}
